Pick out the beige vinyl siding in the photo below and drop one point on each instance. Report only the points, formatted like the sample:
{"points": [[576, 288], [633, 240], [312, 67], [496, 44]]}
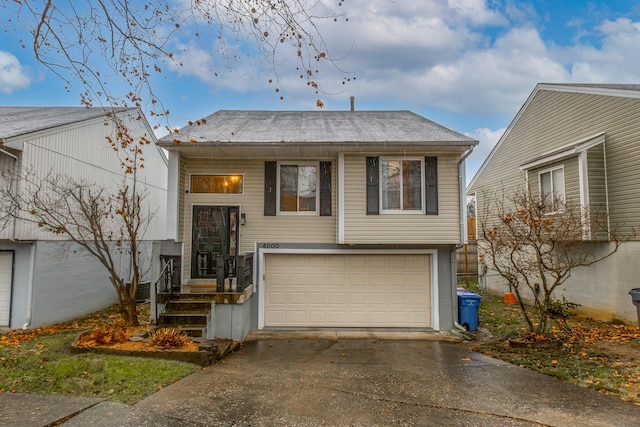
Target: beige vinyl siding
{"points": [[597, 180], [571, 180], [183, 216], [597, 189], [554, 119], [258, 228], [401, 228]]}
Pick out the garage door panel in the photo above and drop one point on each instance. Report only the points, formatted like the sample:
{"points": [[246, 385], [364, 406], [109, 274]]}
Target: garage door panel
{"points": [[337, 298], [297, 316], [357, 317], [317, 278], [297, 298], [338, 262], [357, 279], [318, 298], [279, 298], [357, 298], [378, 280], [354, 290], [378, 298], [6, 267], [318, 317]]}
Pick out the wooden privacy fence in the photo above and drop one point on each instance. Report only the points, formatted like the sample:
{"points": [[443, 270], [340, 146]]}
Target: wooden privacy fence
{"points": [[467, 258]]}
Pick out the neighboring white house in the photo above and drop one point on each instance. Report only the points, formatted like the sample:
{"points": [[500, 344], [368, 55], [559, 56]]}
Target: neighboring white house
{"points": [[353, 217], [579, 142], [37, 286]]}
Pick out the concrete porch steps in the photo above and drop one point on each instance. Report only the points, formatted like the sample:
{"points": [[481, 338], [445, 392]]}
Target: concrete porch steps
{"points": [[188, 312]]}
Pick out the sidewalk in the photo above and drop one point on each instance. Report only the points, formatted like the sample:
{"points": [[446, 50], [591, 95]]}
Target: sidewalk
{"points": [[26, 410]]}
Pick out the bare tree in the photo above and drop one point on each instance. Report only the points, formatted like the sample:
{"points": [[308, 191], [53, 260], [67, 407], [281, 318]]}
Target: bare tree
{"points": [[115, 48], [102, 223], [535, 248]]}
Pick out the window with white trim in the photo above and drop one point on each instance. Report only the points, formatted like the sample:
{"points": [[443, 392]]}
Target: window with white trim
{"points": [[401, 185], [551, 182], [298, 188]]}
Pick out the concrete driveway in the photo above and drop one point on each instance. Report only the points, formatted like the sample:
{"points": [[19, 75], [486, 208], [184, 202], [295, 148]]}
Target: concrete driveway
{"points": [[371, 382]]}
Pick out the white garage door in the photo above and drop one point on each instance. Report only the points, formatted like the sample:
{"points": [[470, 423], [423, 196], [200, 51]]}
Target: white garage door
{"points": [[6, 261], [351, 290]]}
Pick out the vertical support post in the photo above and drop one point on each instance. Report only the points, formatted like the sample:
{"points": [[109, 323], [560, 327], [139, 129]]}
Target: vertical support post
{"points": [[220, 273]]}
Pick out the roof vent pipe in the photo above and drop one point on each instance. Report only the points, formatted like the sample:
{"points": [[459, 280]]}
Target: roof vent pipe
{"points": [[353, 103]]}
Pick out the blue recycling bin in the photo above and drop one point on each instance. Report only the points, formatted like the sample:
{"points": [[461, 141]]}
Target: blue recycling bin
{"points": [[468, 304]]}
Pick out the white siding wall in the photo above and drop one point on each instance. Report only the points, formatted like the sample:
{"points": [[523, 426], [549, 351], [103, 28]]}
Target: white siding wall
{"points": [[81, 151], [7, 163]]}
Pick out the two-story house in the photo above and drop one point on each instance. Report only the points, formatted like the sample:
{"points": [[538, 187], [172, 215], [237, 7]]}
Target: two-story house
{"points": [[353, 217], [41, 281], [578, 142]]}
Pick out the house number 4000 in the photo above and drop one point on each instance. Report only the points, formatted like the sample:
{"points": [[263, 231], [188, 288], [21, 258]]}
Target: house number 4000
{"points": [[270, 245]]}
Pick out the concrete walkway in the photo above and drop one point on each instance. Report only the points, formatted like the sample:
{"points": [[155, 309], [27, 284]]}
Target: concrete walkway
{"points": [[355, 382]]}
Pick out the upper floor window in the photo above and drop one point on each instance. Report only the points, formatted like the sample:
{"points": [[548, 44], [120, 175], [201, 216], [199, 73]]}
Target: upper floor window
{"points": [[298, 187], [219, 184], [551, 183], [401, 185]]}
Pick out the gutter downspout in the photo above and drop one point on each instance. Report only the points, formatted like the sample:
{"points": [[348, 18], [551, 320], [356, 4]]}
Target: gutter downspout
{"points": [[463, 227]]}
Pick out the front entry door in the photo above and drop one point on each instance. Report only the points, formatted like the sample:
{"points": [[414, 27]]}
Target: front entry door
{"points": [[215, 234]]}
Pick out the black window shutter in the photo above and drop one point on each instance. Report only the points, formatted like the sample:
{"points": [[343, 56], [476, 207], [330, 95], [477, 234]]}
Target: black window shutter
{"points": [[325, 188], [373, 186], [270, 193], [431, 185]]}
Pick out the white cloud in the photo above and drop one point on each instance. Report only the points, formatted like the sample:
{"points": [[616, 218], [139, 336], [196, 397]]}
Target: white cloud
{"points": [[494, 80], [621, 25], [463, 56], [476, 12], [612, 62], [13, 76], [222, 66]]}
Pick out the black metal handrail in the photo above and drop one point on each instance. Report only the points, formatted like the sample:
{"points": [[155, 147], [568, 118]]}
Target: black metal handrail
{"points": [[166, 288]]}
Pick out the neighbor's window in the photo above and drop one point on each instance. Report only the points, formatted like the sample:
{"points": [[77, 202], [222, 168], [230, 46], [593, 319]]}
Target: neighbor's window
{"points": [[552, 188], [220, 184], [401, 184], [298, 184]]}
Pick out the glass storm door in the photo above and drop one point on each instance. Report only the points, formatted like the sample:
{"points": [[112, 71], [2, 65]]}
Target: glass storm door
{"points": [[214, 234]]}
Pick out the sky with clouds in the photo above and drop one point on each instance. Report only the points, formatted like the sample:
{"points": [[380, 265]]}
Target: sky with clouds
{"points": [[466, 64]]}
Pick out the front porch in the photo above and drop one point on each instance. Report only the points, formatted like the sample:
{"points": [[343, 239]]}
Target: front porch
{"points": [[208, 308]]}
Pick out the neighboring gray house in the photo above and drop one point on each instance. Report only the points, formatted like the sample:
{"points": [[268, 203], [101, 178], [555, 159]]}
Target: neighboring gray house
{"points": [[579, 141], [36, 287], [352, 217]]}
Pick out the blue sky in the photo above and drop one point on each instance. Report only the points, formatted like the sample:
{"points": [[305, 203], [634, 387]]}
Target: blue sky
{"points": [[466, 64]]}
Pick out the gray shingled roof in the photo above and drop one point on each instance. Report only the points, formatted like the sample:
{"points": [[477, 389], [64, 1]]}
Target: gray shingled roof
{"points": [[17, 121], [247, 127]]}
